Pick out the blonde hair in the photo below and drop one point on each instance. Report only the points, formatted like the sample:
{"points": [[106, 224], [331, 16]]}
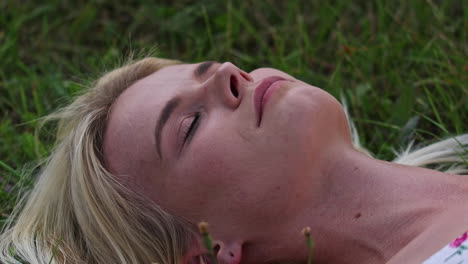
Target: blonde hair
{"points": [[449, 155], [77, 212]]}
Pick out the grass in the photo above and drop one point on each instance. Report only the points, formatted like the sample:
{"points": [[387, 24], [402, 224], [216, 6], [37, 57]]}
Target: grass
{"points": [[402, 65]]}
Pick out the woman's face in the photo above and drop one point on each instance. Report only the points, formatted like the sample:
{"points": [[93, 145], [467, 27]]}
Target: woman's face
{"points": [[233, 169]]}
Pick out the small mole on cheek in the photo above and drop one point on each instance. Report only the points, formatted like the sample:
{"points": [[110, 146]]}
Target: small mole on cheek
{"points": [[357, 215], [278, 188], [356, 168]]}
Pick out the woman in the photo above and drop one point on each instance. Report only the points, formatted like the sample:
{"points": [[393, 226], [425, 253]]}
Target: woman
{"points": [[156, 146]]}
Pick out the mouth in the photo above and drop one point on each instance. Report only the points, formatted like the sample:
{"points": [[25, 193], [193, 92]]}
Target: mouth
{"points": [[260, 93]]}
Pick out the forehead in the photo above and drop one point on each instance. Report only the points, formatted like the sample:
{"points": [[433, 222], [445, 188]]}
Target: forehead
{"points": [[130, 127], [167, 74]]}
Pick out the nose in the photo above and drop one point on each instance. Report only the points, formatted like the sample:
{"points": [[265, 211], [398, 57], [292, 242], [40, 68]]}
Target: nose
{"points": [[228, 85]]}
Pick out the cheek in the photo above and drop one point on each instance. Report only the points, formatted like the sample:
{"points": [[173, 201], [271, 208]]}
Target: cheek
{"points": [[212, 162], [232, 178], [207, 179]]}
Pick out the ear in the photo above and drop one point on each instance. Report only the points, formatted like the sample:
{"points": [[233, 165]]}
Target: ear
{"points": [[193, 254], [228, 252]]}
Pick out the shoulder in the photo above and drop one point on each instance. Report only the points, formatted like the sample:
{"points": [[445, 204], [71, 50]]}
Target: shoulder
{"points": [[454, 253], [444, 238]]}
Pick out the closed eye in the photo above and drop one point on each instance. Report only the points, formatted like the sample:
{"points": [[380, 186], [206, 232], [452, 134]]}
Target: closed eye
{"points": [[190, 130]]}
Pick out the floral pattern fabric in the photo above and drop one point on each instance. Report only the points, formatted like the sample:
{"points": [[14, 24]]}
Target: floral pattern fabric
{"points": [[454, 253]]}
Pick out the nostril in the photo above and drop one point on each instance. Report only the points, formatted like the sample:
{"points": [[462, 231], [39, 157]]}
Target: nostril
{"points": [[216, 250], [234, 86]]}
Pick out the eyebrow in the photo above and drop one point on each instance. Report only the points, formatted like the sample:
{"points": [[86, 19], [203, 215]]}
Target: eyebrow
{"points": [[203, 68], [168, 109], [172, 104]]}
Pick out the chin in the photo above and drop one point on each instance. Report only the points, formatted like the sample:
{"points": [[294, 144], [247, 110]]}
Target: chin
{"points": [[312, 116]]}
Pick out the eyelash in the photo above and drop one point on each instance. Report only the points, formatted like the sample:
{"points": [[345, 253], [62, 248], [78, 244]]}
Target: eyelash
{"points": [[188, 130]]}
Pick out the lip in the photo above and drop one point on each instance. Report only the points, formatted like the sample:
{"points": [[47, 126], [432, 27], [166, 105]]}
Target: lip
{"points": [[260, 92]]}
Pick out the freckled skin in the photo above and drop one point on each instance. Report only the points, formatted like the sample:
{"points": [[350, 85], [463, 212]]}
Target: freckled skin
{"points": [[231, 166], [258, 187], [232, 174]]}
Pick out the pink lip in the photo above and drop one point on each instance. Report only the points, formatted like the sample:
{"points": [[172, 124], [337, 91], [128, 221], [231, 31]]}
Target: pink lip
{"points": [[260, 92]]}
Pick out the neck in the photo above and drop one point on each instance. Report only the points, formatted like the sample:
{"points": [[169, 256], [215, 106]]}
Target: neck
{"points": [[367, 211]]}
